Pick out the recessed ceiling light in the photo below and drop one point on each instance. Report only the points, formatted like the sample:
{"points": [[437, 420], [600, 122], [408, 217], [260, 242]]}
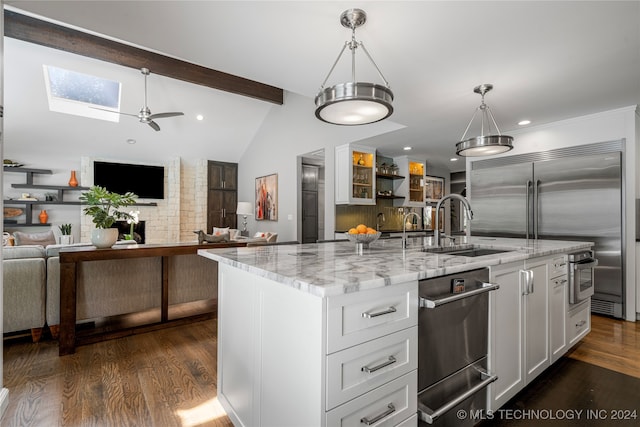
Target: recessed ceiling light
{"points": [[453, 159], [131, 141], [406, 148], [524, 122], [199, 117]]}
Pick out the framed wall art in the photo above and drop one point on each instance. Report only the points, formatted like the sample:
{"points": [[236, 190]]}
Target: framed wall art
{"points": [[267, 198]]}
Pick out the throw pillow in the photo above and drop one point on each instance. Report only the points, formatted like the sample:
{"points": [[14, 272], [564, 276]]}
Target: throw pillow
{"points": [[218, 231], [43, 239]]}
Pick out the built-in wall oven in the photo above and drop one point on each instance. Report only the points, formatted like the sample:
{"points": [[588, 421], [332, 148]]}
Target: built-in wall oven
{"points": [[581, 276], [452, 347]]}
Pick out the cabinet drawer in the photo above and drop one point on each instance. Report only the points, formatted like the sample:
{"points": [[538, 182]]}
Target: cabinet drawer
{"points": [[362, 316], [579, 323], [412, 421], [396, 399], [359, 369], [558, 267], [559, 281]]}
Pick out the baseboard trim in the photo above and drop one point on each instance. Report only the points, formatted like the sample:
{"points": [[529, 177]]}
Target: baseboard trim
{"points": [[4, 400]]}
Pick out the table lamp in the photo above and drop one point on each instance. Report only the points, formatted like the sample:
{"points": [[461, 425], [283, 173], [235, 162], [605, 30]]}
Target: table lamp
{"points": [[244, 209]]}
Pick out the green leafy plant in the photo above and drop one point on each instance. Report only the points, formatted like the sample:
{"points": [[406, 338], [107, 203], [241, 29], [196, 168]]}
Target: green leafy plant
{"points": [[103, 205], [65, 229]]}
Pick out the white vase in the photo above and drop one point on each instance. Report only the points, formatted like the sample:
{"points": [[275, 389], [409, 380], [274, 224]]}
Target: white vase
{"points": [[66, 239], [104, 237]]}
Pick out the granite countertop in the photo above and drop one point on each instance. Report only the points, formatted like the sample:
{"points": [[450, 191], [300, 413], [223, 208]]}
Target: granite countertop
{"points": [[334, 268]]}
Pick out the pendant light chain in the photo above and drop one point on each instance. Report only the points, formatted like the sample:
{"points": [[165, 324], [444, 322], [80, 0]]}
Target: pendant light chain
{"points": [[353, 46]]}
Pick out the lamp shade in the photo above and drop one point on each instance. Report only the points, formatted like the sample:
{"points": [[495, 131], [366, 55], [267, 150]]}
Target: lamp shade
{"points": [[354, 103], [244, 208], [484, 145]]}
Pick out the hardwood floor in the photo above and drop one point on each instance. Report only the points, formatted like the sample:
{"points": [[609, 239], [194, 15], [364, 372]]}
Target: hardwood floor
{"points": [[167, 377], [159, 379], [613, 344]]}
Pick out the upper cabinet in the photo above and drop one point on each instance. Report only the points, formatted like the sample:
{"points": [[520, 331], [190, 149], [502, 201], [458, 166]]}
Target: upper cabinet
{"points": [[355, 175], [223, 176], [412, 187]]}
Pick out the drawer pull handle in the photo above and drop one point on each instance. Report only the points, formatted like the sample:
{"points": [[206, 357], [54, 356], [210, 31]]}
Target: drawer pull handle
{"points": [[380, 313], [580, 323], [369, 370], [390, 410]]}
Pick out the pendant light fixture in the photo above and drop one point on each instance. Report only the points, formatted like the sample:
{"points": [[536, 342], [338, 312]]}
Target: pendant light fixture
{"points": [[354, 103], [485, 144]]}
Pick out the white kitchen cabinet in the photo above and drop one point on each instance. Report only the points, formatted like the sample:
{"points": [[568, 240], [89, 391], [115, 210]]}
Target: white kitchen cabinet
{"points": [[506, 334], [290, 358], [355, 175], [412, 187], [558, 300], [579, 322], [519, 327], [536, 319]]}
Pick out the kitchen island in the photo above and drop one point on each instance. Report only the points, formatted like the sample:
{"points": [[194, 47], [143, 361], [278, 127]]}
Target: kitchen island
{"points": [[302, 329]]}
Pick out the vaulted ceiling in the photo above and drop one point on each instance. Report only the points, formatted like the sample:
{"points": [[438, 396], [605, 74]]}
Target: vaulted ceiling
{"points": [[547, 61]]}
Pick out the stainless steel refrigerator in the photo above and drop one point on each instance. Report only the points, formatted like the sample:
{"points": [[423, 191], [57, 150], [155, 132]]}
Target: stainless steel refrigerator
{"points": [[565, 194]]}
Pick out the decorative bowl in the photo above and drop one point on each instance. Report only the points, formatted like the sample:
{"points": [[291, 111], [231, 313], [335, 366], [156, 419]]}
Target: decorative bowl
{"points": [[363, 238]]}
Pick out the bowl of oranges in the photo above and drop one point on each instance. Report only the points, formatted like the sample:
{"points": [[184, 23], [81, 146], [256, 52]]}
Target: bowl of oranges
{"points": [[363, 234]]}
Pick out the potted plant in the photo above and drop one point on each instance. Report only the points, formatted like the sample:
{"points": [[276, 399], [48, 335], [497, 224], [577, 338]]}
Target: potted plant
{"points": [[66, 238], [103, 207]]}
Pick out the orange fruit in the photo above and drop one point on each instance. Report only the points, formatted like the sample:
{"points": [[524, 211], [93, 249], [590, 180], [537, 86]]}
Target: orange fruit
{"points": [[371, 231], [352, 231], [362, 229]]}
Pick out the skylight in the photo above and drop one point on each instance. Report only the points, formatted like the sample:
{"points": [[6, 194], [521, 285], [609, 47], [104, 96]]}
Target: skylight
{"points": [[75, 93]]}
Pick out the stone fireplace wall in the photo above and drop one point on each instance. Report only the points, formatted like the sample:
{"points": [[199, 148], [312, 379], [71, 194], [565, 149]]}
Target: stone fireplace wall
{"points": [[175, 217]]}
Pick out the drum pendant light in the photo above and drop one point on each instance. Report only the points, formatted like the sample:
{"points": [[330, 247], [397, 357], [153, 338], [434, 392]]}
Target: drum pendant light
{"points": [[485, 144], [354, 103]]}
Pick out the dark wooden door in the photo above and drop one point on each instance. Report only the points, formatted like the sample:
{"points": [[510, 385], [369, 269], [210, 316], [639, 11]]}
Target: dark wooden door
{"points": [[222, 195], [309, 204]]}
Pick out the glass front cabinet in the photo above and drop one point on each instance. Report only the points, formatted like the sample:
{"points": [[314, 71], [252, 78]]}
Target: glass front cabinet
{"points": [[412, 187], [355, 175]]}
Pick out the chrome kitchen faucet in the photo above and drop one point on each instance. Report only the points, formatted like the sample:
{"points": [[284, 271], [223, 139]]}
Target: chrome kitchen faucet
{"points": [[436, 226]]}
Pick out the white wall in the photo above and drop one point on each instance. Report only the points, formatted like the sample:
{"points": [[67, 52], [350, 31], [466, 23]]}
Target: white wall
{"points": [[288, 132], [606, 126]]}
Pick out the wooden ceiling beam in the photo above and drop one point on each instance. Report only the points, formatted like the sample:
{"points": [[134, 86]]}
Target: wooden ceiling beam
{"points": [[33, 30]]}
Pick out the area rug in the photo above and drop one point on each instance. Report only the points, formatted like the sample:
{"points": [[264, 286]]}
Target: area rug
{"points": [[573, 393]]}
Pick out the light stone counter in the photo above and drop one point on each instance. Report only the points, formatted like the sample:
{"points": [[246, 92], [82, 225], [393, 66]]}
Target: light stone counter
{"points": [[328, 269]]}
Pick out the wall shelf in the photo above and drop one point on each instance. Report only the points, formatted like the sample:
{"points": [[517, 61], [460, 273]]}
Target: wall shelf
{"points": [[29, 204], [389, 176]]}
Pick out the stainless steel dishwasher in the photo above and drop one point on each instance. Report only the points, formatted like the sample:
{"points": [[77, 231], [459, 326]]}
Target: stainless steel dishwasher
{"points": [[453, 327]]}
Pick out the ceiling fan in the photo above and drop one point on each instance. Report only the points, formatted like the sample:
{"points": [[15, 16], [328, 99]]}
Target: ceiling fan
{"points": [[145, 116]]}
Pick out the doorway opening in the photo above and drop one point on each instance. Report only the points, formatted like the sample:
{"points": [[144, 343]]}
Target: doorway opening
{"points": [[311, 190]]}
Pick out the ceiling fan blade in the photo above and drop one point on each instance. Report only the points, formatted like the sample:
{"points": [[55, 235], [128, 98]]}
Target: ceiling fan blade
{"points": [[154, 125], [114, 112], [163, 115]]}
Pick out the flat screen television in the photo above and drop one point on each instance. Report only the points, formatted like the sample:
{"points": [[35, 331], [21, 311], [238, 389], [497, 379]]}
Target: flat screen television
{"points": [[146, 181]]}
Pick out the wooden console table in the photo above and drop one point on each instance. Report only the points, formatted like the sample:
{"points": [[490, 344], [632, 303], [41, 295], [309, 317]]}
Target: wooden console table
{"points": [[71, 256]]}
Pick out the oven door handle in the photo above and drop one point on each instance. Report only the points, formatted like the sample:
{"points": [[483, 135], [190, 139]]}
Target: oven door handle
{"points": [[429, 415], [428, 303], [586, 265]]}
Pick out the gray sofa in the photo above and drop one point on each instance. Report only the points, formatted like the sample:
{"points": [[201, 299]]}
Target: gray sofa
{"points": [[24, 292]]}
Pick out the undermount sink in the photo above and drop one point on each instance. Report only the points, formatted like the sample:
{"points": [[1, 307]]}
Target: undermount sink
{"points": [[465, 250]]}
